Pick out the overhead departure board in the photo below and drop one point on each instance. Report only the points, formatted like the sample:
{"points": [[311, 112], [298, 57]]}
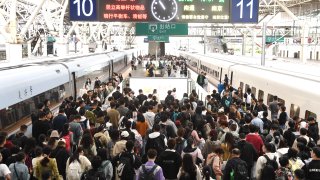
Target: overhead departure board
{"points": [[187, 11]]}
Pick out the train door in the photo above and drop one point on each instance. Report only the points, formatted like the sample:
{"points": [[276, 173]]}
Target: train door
{"points": [[231, 78], [125, 60], [310, 55], [294, 110], [110, 68], [220, 75], [310, 114]]}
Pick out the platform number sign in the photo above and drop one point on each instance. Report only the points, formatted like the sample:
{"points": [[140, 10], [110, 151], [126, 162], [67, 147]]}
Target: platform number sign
{"points": [[244, 11], [83, 10]]}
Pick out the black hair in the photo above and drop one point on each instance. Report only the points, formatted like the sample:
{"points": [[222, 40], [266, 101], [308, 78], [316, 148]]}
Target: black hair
{"points": [[129, 145], [75, 155], [152, 153], [96, 162], [102, 152], [299, 173], [44, 162], [283, 161], [303, 131]]}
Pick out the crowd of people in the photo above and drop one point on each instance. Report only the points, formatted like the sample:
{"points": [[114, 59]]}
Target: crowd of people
{"points": [[117, 135]]}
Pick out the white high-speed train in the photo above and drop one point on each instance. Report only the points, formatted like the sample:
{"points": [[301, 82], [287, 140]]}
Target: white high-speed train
{"points": [[296, 85], [24, 86]]}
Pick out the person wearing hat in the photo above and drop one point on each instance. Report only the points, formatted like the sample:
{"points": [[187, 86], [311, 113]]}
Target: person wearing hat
{"points": [[120, 146], [312, 170], [53, 140]]}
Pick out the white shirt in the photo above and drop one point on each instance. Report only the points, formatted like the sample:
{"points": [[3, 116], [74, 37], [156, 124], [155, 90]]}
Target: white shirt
{"points": [[4, 170]]}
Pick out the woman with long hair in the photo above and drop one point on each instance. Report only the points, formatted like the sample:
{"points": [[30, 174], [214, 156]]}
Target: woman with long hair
{"points": [[106, 165], [89, 147], [47, 164], [189, 169], [227, 146], [77, 164]]}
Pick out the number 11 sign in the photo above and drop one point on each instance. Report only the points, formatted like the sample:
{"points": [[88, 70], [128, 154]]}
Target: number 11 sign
{"points": [[244, 11]]}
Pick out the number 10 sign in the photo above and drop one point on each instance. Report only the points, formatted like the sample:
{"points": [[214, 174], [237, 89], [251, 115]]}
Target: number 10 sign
{"points": [[244, 11], [83, 10]]}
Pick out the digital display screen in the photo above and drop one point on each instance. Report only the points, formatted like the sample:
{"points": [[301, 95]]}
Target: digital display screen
{"points": [[190, 11]]}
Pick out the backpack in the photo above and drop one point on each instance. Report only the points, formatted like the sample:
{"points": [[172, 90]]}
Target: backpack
{"points": [[98, 142], [92, 175], [240, 172], [163, 129], [148, 175], [311, 143], [175, 116], [180, 146], [156, 143], [124, 168], [268, 171], [74, 170], [169, 99]]}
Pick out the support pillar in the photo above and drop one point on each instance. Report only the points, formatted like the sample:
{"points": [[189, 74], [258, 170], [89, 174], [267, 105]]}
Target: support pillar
{"points": [[244, 45], [99, 47], [29, 49], [253, 43], [304, 44], [14, 53]]}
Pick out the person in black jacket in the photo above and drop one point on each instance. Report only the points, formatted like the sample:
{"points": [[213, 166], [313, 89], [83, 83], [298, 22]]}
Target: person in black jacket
{"points": [[61, 155], [247, 152], [233, 163], [59, 120], [313, 129], [170, 161], [312, 170], [289, 135], [40, 126]]}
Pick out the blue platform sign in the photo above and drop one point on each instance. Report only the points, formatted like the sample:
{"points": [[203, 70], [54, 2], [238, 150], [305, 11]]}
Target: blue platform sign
{"points": [[244, 11], [83, 10]]}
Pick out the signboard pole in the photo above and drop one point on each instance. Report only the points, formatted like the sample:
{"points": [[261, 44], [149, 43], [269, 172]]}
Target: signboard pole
{"points": [[263, 54], [204, 40]]}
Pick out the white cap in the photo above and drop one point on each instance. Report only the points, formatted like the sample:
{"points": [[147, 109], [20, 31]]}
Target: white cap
{"points": [[125, 134]]}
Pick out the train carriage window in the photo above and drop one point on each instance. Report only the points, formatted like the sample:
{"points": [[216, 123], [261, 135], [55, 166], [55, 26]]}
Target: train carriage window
{"points": [[246, 87], [270, 98], [253, 91], [310, 114], [260, 94], [282, 102], [241, 86], [294, 110]]}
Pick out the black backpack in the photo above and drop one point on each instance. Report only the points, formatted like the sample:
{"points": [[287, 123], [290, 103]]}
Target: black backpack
{"points": [[240, 171], [148, 175], [92, 175], [124, 168], [169, 99], [268, 172], [98, 142], [156, 143]]}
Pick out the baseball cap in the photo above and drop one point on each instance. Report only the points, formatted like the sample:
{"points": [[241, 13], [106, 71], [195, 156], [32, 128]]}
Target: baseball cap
{"points": [[125, 134]]}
